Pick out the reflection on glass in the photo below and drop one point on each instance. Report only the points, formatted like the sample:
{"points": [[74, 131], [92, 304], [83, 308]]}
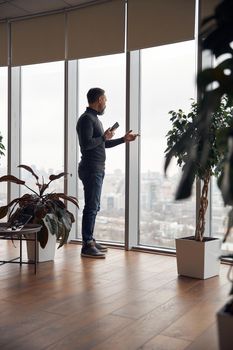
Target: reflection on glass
{"points": [[108, 73], [167, 82], [4, 133], [43, 121]]}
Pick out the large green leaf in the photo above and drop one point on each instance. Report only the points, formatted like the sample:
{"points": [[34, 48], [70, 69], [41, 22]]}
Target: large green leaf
{"points": [[217, 36], [51, 221], [66, 225]]}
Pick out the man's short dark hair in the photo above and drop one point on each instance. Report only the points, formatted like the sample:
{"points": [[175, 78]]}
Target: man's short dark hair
{"points": [[94, 94]]}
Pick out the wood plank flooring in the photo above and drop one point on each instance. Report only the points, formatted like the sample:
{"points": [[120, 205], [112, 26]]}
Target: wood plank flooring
{"points": [[128, 301]]}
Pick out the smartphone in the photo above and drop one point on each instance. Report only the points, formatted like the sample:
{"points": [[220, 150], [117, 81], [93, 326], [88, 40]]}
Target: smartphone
{"points": [[115, 126]]}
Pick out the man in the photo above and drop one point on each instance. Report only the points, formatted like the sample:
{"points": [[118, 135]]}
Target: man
{"points": [[93, 140]]}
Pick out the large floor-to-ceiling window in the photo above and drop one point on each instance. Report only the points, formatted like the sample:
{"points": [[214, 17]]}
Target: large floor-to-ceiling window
{"points": [[3, 130], [219, 212], [42, 121], [109, 73], [167, 83]]}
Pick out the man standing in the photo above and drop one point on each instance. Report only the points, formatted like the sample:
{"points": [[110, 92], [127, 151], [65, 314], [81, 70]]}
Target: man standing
{"points": [[93, 140]]}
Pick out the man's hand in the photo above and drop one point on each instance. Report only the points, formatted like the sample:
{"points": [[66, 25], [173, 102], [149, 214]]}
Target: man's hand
{"points": [[109, 134], [129, 136]]}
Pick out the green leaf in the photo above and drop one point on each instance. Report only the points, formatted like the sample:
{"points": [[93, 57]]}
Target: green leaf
{"points": [[66, 225], [51, 221]]}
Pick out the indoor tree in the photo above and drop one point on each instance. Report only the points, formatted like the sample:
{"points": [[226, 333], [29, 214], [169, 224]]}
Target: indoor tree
{"points": [[217, 37], [184, 126]]}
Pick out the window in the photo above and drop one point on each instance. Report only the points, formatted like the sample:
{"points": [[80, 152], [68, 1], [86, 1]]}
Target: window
{"points": [[3, 131], [219, 212], [42, 137], [167, 82], [108, 72]]}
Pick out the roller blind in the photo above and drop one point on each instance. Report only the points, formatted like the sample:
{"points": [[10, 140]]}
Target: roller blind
{"points": [[158, 22], [40, 39], [3, 45], [96, 30]]}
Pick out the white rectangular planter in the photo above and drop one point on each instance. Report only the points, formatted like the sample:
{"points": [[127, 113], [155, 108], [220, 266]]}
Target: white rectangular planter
{"points": [[225, 327], [46, 254], [198, 259]]}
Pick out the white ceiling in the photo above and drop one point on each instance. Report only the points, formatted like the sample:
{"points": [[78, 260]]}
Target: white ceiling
{"points": [[17, 8]]}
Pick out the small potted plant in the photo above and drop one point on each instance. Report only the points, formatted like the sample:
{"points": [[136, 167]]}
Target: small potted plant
{"points": [[194, 253], [46, 209]]}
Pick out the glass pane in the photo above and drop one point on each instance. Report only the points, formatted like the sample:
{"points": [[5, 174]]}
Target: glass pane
{"points": [[219, 212], [43, 122], [4, 132], [219, 216], [167, 83], [108, 72]]}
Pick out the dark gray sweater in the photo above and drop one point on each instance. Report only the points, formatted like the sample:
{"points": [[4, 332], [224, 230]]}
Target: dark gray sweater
{"points": [[92, 141]]}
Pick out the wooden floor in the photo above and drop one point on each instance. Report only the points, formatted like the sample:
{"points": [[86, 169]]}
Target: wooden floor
{"points": [[130, 300]]}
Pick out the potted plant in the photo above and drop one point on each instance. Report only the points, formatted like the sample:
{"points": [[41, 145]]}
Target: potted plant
{"points": [[217, 38], [194, 253], [46, 209]]}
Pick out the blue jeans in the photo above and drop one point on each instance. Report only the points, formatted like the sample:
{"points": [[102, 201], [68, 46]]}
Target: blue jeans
{"points": [[92, 186]]}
